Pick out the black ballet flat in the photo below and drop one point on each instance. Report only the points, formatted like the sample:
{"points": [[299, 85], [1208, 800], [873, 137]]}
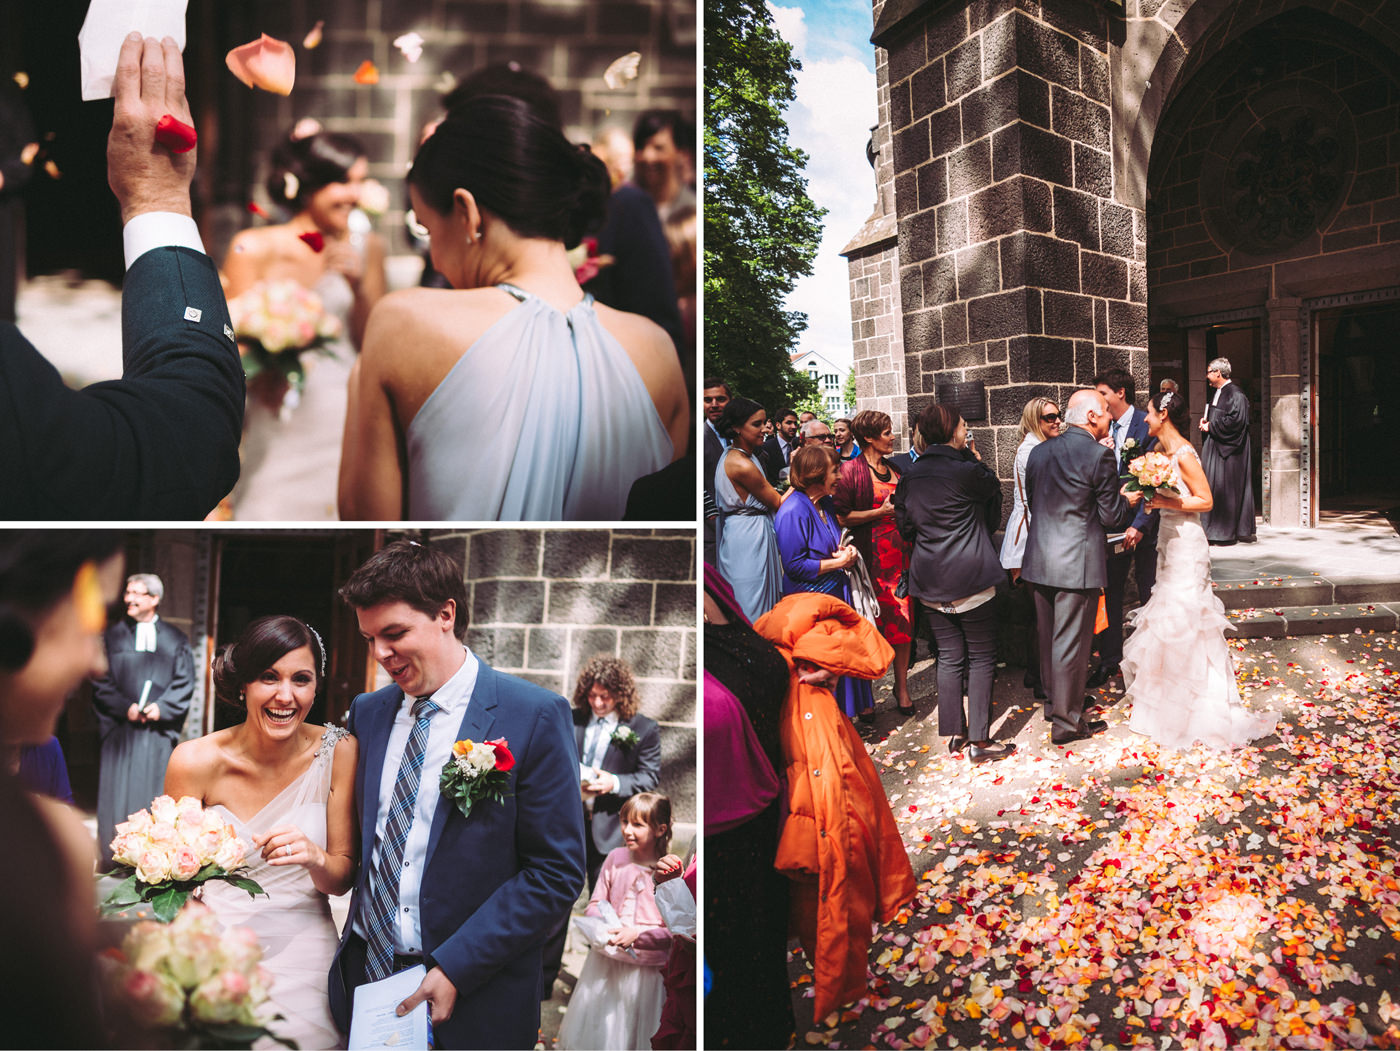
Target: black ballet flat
{"points": [[956, 743], [990, 751], [907, 712], [866, 717]]}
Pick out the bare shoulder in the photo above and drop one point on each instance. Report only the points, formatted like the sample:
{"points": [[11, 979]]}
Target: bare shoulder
{"points": [[198, 761], [260, 242], [638, 335], [66, 824]]}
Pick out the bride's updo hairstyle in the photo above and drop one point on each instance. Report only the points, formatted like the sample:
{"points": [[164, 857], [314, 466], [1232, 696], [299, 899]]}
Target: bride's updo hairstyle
{"points": [[262, 644], [519, 168], [1175, 410], [301, 166]]}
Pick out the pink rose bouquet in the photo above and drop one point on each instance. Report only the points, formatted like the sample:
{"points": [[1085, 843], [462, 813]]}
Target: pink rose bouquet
{"points": [[188, 984], [164, 853], [1151, 472], [277, 322]]}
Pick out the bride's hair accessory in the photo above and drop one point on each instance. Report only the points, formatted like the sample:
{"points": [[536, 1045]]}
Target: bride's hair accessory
{"points": [[1166, 398], [320, 645], [291, 186]]}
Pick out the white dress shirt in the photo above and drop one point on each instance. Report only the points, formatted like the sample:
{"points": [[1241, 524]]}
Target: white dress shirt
{"points": [[146, 635], [158, 230], [596, 738], [452, 698]]}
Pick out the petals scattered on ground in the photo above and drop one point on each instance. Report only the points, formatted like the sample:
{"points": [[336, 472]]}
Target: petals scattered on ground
{"points": [[1121, 895]]}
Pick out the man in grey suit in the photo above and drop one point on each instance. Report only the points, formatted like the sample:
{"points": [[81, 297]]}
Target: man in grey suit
{"points": [[1072, 491]]}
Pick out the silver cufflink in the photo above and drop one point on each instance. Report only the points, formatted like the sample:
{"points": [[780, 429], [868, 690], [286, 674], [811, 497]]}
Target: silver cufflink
{"points": [[193, 313]]}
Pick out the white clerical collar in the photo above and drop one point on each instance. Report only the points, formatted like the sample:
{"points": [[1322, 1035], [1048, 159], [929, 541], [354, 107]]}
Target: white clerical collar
{"points": [[146, 635]]}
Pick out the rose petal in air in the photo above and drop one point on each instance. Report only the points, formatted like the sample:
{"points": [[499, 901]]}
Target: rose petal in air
{"points": [[258, 210], [621, 70], [314, 239], [368, 73], [29, 152], [411, 45], [22, 79], [313, 38], [265, 63]]}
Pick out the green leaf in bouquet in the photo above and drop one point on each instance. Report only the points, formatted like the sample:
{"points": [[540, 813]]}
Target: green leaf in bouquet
{"points": [[123, 897], [169, 902], [236, 1034], [208, 872], [244, 883]]}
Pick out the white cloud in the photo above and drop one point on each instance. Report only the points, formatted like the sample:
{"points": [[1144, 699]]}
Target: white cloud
{"points": [[791, 23], [830, 120]]}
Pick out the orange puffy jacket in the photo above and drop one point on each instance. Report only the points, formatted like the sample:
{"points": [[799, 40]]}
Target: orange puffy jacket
{"points": [[839, 845]]}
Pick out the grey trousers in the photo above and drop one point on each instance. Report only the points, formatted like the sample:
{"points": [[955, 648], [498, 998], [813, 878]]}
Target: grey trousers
{"points": [[1064, 621]]}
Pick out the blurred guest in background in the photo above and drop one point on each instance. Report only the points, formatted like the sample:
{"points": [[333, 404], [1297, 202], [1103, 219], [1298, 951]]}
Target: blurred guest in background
{"points": [[747, 546]]}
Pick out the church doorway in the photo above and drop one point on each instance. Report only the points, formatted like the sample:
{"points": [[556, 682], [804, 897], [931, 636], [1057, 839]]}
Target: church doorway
{"points": [[253, 575], [1358, 406]]}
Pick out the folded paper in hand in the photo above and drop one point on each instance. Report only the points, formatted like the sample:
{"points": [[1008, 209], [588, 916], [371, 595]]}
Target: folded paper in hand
{"points": [[106, 26], [375, 1024]]}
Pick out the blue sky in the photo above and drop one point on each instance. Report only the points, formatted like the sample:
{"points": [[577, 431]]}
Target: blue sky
{"points": [[830, 120]]}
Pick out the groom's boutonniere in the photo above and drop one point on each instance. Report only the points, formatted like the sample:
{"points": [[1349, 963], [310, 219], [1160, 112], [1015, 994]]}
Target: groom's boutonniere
{"points": [[1132, 449], [625, 738], [477, 770]]}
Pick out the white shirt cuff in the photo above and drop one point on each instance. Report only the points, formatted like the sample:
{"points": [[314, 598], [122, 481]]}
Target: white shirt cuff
{"points": [[158, 230]]}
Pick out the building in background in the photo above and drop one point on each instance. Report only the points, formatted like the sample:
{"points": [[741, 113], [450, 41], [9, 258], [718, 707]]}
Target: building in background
{"points": [[1071, 186], [830, 379], [541, 602]]}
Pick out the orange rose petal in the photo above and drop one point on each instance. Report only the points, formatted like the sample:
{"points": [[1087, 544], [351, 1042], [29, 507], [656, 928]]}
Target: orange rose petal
{"points": [[29, 152], [265, 63], [22, 79], [52, 169], [368, 73], [313, 38]]}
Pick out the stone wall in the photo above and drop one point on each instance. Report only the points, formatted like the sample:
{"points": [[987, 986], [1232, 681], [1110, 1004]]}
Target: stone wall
{"points": [[1018, 269], [544, 601], [569, 42]]}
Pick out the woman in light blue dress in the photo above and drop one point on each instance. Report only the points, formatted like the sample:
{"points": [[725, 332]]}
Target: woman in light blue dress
{"points": [[512, 395], [747, 545]]}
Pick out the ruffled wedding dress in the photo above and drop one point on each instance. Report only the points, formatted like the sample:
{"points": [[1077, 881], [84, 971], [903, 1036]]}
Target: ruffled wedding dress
{"points": [[1177, 667], [294, 922]]}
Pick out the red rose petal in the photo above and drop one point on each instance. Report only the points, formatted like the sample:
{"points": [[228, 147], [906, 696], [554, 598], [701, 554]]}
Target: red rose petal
{"points": [[176, 136], [314, 239]]}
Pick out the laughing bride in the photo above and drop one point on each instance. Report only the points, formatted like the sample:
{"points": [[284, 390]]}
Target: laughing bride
{"points": [[287, 787]]}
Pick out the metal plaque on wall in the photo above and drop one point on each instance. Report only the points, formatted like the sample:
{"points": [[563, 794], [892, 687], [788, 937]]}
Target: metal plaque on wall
{"points": [[969, 399]]}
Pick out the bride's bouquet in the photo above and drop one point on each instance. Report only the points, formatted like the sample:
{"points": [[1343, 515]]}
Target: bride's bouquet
{"points": [[1152, 472], [188, 985], [164, 853], [279, 322]]}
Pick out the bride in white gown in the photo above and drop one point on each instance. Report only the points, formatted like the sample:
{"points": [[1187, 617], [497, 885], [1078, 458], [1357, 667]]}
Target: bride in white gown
{"points": [[1177, 666], [288, 790]]}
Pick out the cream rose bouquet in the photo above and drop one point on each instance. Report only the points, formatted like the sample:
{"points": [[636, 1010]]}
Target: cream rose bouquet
{"points": [[1151, 472], [278, 322], [164, 853], [188, 984]]}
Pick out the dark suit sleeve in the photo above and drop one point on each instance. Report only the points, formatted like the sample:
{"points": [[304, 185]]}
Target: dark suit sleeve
{"points": [[108, 700], [1114, 510], [161, 442], [174, 701], [648, 773], [523, 910], [1229, 421], [640, 278], [903, 519]]}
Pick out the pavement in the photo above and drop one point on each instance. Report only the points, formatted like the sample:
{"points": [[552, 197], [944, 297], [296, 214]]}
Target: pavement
{"points": [[1115, 894]]}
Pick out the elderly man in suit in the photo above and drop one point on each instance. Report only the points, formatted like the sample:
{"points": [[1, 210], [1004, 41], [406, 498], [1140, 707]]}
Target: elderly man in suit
{"points": [[141, 705], [1130, 438], [1072, 493], [470, 896], [161, 442]]}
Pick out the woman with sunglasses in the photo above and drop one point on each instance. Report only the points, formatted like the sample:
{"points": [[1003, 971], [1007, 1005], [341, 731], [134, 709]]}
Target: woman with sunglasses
{"points": [[1040, 419]]}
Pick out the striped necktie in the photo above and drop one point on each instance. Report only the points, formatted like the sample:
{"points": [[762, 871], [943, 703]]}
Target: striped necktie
{"points": [[384, 882]]}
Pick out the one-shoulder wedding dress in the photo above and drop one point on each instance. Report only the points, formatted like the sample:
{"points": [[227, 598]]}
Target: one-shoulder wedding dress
{"points": [[1177, 667], [294, 922]]}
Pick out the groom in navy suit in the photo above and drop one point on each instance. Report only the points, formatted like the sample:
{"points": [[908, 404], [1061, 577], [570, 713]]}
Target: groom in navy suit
{"points": [[1130, 439], [470, 898]]}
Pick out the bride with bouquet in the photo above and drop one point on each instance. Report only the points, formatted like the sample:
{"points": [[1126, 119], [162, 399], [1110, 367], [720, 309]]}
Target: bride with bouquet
{"points": [[287, 788], [300, 293], [1177, 666]]}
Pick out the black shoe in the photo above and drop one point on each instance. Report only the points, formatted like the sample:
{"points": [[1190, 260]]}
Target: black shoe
{"points": [[1249, 540], [1094, 726], [990, 751], [1078, 735], [1032, 682], [1101, 675], [957, 743], [866, 717]]}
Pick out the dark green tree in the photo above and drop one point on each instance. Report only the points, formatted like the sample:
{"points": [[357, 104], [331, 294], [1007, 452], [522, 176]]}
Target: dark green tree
{"points": [[761, 228]]}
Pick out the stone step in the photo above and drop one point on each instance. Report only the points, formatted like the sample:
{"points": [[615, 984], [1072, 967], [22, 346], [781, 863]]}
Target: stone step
{"points": [[1274, 622], [1263, 593]]}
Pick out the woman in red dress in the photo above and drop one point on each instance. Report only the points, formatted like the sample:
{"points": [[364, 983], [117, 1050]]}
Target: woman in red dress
{"points": [[864, 504]]}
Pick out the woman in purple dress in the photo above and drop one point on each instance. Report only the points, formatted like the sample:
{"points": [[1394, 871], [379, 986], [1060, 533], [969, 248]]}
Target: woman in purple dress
{"points": [[809, 544]]}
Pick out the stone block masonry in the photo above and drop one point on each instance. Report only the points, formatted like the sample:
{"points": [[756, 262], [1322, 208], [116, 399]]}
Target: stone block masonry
{"points": [[543, 601], [1014, 260]]}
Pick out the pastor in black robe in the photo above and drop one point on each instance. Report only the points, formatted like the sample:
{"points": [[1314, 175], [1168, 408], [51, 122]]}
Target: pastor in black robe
{"points": [[134, 754], [1226, 457]]}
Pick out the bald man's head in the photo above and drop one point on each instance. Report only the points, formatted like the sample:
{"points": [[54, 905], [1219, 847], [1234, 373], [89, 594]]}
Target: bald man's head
{"points": [[1086, 408]]}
